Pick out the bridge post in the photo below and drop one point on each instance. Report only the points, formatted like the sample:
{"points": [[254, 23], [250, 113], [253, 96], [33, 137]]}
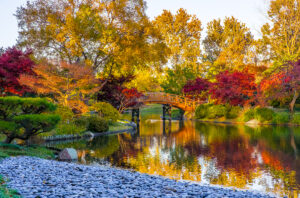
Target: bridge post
{"points": [[167, 111], [181, 114], [135, 113]]}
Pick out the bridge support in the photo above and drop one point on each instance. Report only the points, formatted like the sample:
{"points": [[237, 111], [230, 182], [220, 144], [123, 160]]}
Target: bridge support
{"points": [[135, 114], [181, 114], [167, 111]]}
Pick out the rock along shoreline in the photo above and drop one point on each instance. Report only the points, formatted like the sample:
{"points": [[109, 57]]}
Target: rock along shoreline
{"points": [[35, 177]]}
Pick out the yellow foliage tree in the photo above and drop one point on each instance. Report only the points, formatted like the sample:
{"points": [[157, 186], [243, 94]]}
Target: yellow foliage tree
{"points": [[281, 37], [110, 36], [181, 33], [226, 45]]}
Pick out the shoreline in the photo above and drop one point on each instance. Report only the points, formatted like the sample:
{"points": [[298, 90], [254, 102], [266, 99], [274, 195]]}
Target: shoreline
{"points": [[32, 177]]}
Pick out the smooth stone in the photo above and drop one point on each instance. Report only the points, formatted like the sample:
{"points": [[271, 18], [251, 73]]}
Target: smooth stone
{"points": [[68, 154]]}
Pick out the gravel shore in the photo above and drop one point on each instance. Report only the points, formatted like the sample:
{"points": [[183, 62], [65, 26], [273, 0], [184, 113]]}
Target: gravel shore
{"points": [[34, 177]]}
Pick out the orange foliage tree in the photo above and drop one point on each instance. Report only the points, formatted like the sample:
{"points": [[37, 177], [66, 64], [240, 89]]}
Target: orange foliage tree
{"points": [[283, 84], [69, 84]]}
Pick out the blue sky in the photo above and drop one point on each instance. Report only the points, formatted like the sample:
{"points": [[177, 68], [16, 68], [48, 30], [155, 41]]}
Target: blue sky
{"points": [[251, 12]]}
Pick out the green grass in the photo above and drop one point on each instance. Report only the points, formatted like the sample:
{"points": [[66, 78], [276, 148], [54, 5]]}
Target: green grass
{"points": [[117, 126], [151, 109], [7, 150]]}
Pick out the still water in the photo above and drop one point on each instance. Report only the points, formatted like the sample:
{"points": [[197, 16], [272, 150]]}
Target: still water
{"points": [[262, 158]]}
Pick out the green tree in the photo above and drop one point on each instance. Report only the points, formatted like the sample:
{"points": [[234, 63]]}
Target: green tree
{"points": [[181, 33], [175, 79], [226, 45], [25, 117], [281, 37]]}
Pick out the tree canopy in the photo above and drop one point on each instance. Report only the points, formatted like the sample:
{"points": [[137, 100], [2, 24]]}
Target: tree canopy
{"points": [[181, 32], [226, 45], [111, 36], [280, 37]]}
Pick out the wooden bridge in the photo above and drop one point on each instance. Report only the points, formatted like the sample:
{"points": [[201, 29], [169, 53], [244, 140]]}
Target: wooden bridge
{"points": [[181, 102]]}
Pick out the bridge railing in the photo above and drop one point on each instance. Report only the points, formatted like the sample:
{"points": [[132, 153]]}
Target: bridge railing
{"points": [[180, 101]]}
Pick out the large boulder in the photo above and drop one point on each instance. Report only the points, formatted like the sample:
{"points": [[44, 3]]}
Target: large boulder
{"points": [[68, 154]]}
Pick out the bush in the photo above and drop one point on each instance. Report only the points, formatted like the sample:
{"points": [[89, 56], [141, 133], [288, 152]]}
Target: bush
{"points": [[280, 118], [81, 121], [296, 119], [25, 117], [233, 112], [248, 115], [216, 111], [65, 113], [105, 111], [97, 124], [202, 111], [263, 114]]}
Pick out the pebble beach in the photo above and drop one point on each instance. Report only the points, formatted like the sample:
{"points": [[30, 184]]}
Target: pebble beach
{"points": [[34, 177]]}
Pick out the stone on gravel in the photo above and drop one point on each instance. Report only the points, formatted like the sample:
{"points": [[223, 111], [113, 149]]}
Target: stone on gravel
{"points": [[68, 154]]}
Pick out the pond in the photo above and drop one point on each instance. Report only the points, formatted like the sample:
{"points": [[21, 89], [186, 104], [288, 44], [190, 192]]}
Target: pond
{"points": [[262, 158]]}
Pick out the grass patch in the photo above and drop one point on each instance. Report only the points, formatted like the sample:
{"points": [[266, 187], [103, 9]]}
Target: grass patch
{"points": [[117, 126], [151, 109], [7, 150]]}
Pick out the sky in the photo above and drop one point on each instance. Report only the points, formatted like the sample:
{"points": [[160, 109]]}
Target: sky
{"points": [[251, 12]]}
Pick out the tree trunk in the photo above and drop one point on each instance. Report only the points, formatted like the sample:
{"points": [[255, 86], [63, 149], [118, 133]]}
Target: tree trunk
{"points": [[9, 139], [292, 104]]}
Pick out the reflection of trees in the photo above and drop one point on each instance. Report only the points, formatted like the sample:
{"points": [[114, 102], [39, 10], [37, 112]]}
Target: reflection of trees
{"points": [[221, 154], [230, 148], [233, 155], [279, 149], [277, 138], [103, 146]]}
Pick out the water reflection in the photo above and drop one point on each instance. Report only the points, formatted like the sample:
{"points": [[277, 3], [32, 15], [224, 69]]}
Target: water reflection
{"points": [[263, 158]]}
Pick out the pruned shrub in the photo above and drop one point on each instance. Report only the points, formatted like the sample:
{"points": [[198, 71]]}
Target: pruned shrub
{"points": [[202, 111], [216, 111], [25, 117], [105, 111], [13, 105], [97, 124], [263, 114], [280, 118], [233, 112]]}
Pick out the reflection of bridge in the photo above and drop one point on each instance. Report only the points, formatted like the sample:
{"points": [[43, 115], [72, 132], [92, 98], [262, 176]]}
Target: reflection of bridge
{"points": [[168, 101]]}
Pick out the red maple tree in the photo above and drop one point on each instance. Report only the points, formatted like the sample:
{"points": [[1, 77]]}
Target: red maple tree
{"points": [[116, 93], [13, 63], [197, 88], [235, 88], [127, 98]]}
